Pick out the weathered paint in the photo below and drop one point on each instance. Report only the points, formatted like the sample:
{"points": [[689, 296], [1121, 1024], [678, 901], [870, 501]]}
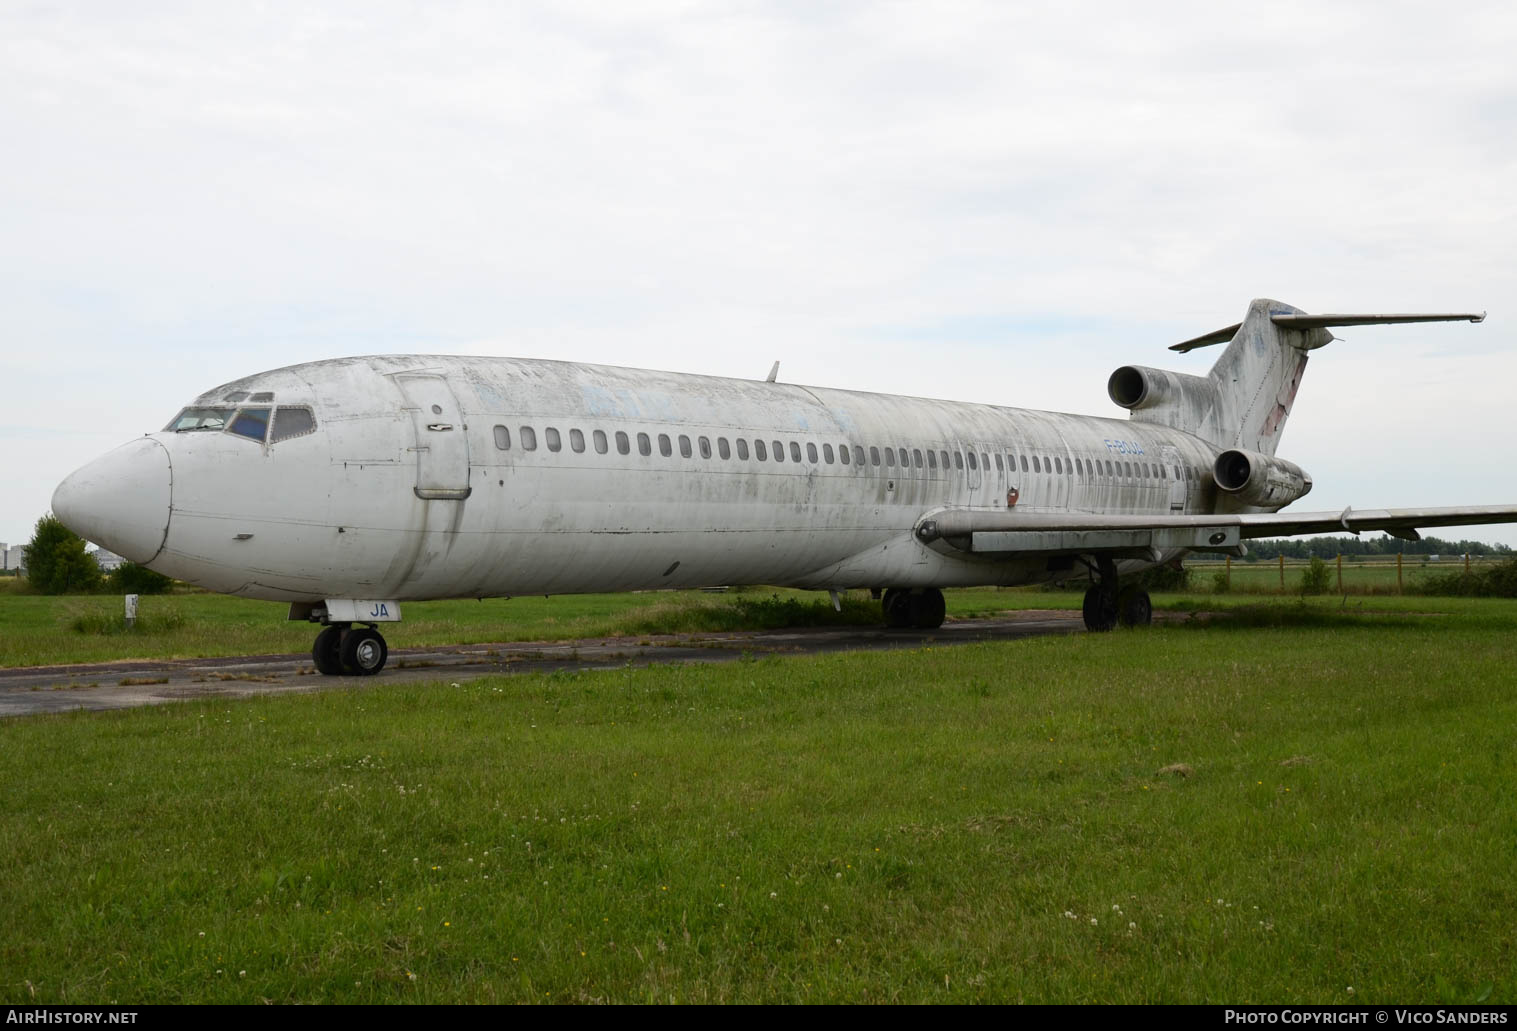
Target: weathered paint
{"points": [[402, 492]]}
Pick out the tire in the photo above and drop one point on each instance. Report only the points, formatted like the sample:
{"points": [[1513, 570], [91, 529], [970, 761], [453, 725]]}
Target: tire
{"points": [[363, 652], [1100, 610], [1134, 608], [897, 605], [927, 608], [326, 653]]}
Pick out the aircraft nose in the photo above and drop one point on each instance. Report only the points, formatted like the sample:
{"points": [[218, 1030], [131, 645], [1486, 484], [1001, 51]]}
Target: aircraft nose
{"points": [[121, 500]]}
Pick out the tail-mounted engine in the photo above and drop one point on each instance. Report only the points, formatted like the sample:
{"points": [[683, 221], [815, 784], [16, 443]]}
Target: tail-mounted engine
{"points": [[1259, 481], [1166, 398]]}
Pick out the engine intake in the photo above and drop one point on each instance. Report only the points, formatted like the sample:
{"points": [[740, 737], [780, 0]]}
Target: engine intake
{"points": [[1259, 480], [1136, 387]]}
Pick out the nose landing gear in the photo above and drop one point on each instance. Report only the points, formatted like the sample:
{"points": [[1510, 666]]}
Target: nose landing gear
{"points": [[344, 650]]}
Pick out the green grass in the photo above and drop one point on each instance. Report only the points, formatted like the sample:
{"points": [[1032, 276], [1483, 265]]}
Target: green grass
{"points": [[986, 822], [41, 630], [1376, 576]]}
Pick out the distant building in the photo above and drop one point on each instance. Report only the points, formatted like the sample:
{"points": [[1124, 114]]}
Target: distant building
{"points": [[13, 559], [108, 560]]}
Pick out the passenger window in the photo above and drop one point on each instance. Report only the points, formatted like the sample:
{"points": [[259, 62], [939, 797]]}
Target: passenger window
{"points": [[292, 422], [723, 448], [858, 455], [623, 445], [551, 436], [795, 451], [811, 452], [684, 446], [1037, 466], [576, 441], [958, 460], [932, 459], [644, 445], [742, 449], [890, 458], [252, 423], [972, 463], [503, 438], [1058, 465], [704, 443], [826, 453], [528, 437], [665, 445], [1000, 466], [598, 438], [759, 451], [905, 459], [843, 455], [779, 451], [874, 456]]}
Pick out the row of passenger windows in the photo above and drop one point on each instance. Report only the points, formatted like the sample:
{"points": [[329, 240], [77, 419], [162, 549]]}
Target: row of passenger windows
{"points": [[845, 454]]}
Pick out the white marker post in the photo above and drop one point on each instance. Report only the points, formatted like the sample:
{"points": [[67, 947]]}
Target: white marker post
{"points": [[131, 611]]}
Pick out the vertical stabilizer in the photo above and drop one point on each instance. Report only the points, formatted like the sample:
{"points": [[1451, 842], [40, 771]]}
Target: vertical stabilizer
{"points": [[1246, 398], [1257, 377]]}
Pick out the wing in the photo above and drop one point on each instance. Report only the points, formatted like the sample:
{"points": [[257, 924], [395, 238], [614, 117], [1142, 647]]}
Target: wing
{"points": [[1137, 536]]}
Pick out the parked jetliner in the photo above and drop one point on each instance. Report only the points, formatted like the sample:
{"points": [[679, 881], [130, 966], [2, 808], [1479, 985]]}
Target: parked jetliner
{"points": [[346, 487]]}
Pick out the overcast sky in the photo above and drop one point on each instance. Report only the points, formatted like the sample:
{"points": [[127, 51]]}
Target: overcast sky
{"points": [[996, 202]]}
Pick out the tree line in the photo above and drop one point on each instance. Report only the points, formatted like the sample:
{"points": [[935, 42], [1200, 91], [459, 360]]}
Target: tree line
{"points": [[1331, 547]]}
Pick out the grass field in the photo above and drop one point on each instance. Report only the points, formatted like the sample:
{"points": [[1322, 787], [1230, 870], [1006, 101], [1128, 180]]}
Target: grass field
{"points": [[1367, 576], [1309, 800], [42, 630]]}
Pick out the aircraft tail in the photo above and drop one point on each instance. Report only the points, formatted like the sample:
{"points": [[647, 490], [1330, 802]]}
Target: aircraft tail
{"points": [[1246, 398]]}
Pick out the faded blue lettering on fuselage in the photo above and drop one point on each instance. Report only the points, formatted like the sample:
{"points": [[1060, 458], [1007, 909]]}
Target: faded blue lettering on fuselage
{"points": [[1124, 447]]}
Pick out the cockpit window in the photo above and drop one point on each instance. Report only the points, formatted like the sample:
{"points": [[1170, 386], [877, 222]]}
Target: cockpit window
{"points": [[263, 395], [252, 423], [297, 422], [199, 419]]}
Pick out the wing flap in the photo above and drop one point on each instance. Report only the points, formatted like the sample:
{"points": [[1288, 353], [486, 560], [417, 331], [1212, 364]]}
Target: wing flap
{"points": [[1065, 533]]}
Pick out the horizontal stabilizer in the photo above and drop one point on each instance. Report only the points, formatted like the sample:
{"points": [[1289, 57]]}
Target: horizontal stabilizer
{"points": [[1300, 320], [1012, 532]]}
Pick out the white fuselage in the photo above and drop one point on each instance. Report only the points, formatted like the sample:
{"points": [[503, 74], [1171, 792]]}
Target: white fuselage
{"points": [[434, 477]]}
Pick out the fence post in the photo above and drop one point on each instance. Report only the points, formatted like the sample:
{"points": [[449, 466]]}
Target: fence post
{"points": [[131, 611], [1340, 572]]}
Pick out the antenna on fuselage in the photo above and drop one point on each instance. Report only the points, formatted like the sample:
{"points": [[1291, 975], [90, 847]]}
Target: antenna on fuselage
{"points": [[773, 373]]}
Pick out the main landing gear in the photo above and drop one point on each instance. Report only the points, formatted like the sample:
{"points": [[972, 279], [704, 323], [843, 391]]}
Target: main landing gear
{"points": [[920, 607], [342, 649], [1106, 604]]}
